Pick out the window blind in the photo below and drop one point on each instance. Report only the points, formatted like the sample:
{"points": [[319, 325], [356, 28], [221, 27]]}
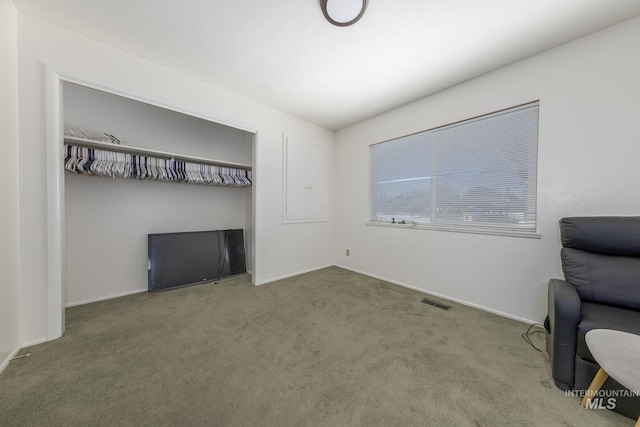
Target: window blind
{"points": [[477, 173]]}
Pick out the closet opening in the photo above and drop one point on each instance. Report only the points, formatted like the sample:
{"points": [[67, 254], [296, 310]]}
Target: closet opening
{"points": [[99, 223]]}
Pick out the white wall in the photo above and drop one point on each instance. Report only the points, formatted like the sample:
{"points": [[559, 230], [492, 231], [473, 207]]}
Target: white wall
{"points": [[280, 250], [587, 165], [107, 220], [9, 319], [148, 126]]}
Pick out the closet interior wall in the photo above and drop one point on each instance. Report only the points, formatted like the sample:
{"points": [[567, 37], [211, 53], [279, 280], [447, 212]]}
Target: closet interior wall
{"points": [[107, 220]]}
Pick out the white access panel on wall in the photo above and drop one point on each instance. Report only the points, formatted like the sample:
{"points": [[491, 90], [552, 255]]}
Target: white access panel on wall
{"points": [[305, 182]]}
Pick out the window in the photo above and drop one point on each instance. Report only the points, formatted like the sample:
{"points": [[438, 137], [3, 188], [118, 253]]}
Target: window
{"points": [[477, 175]]}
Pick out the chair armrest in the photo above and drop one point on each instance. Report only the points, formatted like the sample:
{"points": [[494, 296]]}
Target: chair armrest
{"points": [[564, 316]]}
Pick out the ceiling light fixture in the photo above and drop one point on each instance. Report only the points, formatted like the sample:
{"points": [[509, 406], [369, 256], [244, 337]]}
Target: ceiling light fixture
{"points": [[343, 12]]}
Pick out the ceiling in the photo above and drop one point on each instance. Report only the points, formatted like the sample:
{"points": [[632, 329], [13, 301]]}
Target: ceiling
{"points": [[284, 54]]}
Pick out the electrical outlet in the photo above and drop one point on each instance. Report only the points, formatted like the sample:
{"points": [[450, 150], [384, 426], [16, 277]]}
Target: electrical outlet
{"points": [[348, 252]]}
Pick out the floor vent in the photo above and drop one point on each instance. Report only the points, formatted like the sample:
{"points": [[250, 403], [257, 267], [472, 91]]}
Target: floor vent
{"points": [[436, 304]]}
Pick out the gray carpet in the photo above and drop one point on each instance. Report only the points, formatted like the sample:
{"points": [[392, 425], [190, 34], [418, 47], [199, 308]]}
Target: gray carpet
{"points": [[327, 348]]}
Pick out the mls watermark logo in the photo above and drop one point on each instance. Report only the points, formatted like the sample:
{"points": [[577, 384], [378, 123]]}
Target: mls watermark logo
{"points": [[601, 399], [601, 403]]}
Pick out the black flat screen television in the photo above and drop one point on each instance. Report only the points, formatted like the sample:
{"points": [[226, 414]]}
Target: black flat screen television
{"points": [[189, 258]]}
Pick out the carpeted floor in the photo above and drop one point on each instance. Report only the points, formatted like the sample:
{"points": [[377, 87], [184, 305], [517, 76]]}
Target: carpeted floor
{"points": [[327, 348]]}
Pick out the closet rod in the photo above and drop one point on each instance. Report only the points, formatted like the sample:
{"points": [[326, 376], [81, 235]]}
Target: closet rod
{"points": [[89, 143]]}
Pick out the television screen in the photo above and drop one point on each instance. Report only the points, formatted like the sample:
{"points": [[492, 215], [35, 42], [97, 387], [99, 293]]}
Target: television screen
{"points": [[187, 258]]}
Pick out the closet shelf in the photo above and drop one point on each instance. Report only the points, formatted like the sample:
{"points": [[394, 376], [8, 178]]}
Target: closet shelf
{"points": [[89, 143]]}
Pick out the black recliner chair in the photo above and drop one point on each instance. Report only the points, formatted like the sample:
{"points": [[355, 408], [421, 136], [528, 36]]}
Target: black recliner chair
{"points": [[601, 264]]}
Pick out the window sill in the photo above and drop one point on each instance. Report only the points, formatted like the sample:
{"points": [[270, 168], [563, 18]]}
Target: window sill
{"points": [[304, 221], [470, 230]]}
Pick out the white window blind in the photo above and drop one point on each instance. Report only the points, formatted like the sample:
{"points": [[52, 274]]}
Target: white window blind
{"points": [[475, 174]]}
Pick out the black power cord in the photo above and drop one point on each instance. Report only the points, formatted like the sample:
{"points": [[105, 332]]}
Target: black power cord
{"points": [[527, 335]]}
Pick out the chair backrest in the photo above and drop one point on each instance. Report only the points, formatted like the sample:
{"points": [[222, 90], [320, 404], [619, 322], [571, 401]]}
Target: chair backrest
{"points": [[601, 258]]}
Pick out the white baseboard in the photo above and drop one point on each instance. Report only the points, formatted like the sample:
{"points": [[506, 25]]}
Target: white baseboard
{"points": [[122, 294], [294, 274], [436, 294], [34, 342], [6, 361]]}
